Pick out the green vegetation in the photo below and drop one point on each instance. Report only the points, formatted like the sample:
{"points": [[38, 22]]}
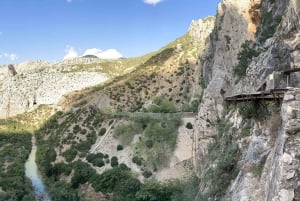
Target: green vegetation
{"points": [[108, 181], [96, 159], [257, 169], [160, 58], [124, 187], [14, 150], [26, 122], [102, 131], [137, 160], [253, 110], [126, 132], [120, 147], [83, 172], [114, 161], [268, 25], [147, 174], [244, 59], [62, 191], [246, 131], [70, 154], [189, 125], [224, 153], [157, 140], [161, 105], [192, 106]]}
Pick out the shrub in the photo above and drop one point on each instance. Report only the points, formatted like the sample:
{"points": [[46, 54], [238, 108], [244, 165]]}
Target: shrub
{"points": [[244, 59], [114, 161], [70, 154], [119, 147], [189, 125], [252, 110], [149, 144], [98, 162], [126, 132], [162, 105], [61, 168], [147, 174], [63, 191], [127, 190], [109, 180], [246, 131], [224, 153], [257, 169], [137, 160], [102, 131], [96, 159], [83, 173]]}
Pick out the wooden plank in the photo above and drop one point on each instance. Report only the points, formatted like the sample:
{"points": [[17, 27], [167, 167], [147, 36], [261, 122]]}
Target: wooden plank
{"points": [[293, 70], [252, 97]]}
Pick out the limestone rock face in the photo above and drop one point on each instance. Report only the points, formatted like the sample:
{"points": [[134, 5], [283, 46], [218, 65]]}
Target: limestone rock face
{"points": [[39, 83], [200, 29], [274, 29], [231, 30]]}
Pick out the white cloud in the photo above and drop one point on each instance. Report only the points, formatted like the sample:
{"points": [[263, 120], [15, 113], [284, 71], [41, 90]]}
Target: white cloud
{"points": [[69, 1], [1, 33], [10, 56], [107, 54], [152, 2], [70, 52]]}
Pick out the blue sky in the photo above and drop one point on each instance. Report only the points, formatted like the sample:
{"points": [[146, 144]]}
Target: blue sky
{"points": [[52, 29]]}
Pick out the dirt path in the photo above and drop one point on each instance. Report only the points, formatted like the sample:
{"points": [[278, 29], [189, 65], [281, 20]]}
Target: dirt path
{"points": [[101, 139]]}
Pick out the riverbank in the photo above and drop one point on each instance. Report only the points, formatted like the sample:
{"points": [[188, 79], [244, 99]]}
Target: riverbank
{"points": [[33, 174]]}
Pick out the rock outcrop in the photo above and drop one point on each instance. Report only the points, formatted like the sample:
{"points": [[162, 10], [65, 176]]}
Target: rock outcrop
{"points": [[40, 83], [272, 28]]}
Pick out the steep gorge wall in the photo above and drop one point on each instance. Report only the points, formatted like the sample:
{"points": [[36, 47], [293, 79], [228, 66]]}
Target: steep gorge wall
{"points": [[231, 31], [273, 27]]}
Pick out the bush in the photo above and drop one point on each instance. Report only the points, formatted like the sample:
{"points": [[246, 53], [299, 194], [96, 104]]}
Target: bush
{"points": [[137, 160], [191, 107], [119, 147], [162, 105], [149, 144], [252, 110], [126, 132], [127, 191], [224, 153], [61, 168], [96, 159], [98, 162], [70, 154], [147, 174], [114, 161], [109, 180], [102, 131], [62, 191], [83, 172], [244, 59], [189, 125], [246, 131]]}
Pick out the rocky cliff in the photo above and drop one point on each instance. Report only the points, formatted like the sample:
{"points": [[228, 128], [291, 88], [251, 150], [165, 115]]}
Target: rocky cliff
{"points": [[36, 82], [251, 42]]}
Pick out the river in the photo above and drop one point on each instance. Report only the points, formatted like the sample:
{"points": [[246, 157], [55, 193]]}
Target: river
{"points": [[33, 174]]}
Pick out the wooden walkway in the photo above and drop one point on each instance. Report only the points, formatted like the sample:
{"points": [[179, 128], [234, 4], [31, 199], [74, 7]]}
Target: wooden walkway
{"points": [[272, 95], [293, 70]]}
